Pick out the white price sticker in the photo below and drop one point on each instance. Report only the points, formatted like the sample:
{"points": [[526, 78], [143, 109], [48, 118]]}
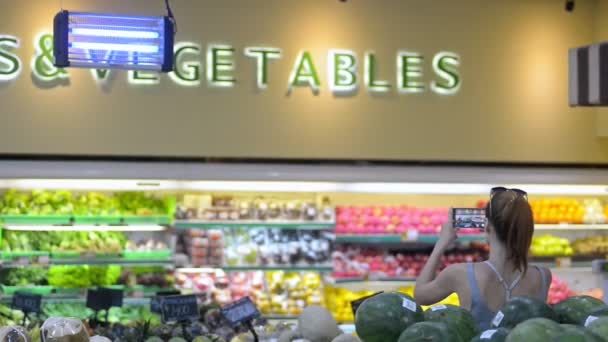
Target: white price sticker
{"points": [[498, 318], [488, 334], [408, 304], [412, 235], [438, 307], [589, 320]]}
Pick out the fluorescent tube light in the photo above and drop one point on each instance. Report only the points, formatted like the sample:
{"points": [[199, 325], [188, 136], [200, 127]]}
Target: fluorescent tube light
{"points": [[90, 40], [115, 33], [115, 47]]}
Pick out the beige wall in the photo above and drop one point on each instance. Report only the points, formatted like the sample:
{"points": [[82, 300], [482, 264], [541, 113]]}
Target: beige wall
{"points": [[512, 105]]}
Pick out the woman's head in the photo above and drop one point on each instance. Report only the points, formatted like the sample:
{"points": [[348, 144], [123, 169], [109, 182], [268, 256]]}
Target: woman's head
{"points": [[511, 221]]}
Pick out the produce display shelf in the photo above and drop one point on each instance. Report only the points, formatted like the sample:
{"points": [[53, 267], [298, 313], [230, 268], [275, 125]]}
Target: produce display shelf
{"points": [[570, 227], [189, 224], [375, 285], [57, 293], [286, 268], [372, 280], [398, 239], [65, 220], [95, 261], [23, 254], [127, 301]]}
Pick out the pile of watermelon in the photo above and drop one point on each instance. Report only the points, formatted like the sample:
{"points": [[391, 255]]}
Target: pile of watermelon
{"points": [[395, 317]]}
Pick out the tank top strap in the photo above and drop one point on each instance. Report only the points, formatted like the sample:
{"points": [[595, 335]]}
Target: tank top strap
{"points": [[543, 283], [475, 293], [508, 288]]}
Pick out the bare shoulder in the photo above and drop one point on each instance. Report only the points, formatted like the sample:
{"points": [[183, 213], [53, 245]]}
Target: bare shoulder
{"points": [[455, 271]]}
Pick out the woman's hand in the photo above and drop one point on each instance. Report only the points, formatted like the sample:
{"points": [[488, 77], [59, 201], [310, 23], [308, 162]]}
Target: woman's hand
{"points": [[448, 233]]}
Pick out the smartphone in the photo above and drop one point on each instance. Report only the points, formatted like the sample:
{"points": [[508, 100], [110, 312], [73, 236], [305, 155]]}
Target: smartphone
{"points": [[469, 218]]}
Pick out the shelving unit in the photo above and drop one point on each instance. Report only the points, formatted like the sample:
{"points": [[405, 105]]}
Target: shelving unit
{"points": [[400, 239], [285, 268], [197, 224]]}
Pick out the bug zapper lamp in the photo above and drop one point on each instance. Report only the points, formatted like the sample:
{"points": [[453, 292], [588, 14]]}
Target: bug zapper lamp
{"points": [[108, 41]]}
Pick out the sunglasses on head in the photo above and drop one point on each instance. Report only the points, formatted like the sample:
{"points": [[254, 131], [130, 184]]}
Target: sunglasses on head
{"points": [[500, 189]]}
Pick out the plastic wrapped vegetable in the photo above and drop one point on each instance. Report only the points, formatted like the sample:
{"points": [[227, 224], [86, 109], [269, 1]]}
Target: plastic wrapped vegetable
{"points": [[14, 334], [58, 329]]}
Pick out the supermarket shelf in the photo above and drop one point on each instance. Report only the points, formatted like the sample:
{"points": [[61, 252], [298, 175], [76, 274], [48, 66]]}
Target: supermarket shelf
{"points": [[286, 268], [373, 285], [188, 224], [570, 227], [574, 263], [93, 261], [68, 220], [62, 300], [398, 239]]}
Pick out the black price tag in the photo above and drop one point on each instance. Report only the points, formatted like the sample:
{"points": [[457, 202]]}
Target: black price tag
{"points": [[156, 300], [104, 299], [26, 302], [179, 308], [356, 303], [243, 310]]}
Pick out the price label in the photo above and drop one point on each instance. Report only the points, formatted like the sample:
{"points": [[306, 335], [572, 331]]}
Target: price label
{"points": [[26, 302], [354, 305], [104, 299], [410, 235], [44, 260], [438, 307], [179, 308], [243, 310], [498, 319], [155, 302], [487, 334]]}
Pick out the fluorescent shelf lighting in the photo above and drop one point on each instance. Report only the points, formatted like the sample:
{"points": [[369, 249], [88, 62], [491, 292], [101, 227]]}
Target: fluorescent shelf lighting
{"points": [[114, 33], [261, 186], [294, 186], [419, 188], [115, 47], [85, 228]]}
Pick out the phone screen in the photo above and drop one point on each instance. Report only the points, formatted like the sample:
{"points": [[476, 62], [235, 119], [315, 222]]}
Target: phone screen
{"points": [[468, 218]]}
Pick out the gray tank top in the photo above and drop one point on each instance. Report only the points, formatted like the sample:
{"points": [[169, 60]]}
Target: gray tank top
{"points": [[480, 311]]}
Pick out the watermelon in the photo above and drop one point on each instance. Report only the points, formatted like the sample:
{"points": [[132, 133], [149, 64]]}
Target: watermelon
{"points": [[428, 332], [384, 317], [492, 335], [603, 311], [458, 320], [575, 310], [535, 330], [520, 309], [599, 327], [575, 335]]}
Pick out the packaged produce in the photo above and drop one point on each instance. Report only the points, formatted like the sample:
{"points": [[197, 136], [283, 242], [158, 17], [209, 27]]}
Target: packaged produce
{"points": [[14, 334], [59, 329], [229, 208]]}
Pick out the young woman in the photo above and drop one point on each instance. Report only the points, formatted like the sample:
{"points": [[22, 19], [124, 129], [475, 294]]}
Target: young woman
{"points": [[484, 287]]}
